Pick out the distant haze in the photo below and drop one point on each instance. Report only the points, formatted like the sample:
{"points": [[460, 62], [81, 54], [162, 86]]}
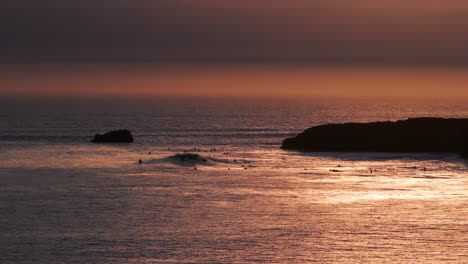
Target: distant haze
{"points": [[243, 81]]}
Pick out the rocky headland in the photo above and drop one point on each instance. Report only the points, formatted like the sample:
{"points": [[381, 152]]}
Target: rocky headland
{"points": [[429, 135]]}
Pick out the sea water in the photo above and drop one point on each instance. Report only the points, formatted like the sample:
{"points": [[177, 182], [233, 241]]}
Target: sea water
{"points": [[66, 200]]}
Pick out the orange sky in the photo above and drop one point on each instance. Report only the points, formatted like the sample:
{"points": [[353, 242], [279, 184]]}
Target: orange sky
{"points": [[266, 81], [396, 36]]}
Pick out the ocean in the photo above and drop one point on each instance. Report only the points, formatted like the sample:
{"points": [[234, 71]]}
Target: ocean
{"points": [[66, 200]]}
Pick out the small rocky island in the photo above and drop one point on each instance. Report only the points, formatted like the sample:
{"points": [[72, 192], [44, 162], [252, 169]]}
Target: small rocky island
{"points": [[429, 135], [116, 136]]}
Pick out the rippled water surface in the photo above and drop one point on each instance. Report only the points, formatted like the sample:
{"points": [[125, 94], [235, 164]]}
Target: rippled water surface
{"points": [[64, 200]]}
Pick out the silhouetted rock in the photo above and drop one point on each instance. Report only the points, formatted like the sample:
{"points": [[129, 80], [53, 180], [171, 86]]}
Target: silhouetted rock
{"points": [[117, 136], [429, 135]]}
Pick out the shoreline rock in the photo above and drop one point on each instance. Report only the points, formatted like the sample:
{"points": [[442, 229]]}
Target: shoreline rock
{"points": [[116, 136], [418, 135]]}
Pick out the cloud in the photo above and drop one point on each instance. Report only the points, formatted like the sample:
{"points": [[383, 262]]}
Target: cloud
{"points": [[202, 30]]}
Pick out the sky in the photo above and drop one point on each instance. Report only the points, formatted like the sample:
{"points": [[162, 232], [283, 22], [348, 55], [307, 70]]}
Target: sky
{"points": [[336, 31], [149, 34]]}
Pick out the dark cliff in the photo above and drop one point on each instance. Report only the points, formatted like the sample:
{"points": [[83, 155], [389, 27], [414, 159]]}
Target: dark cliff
{"points": [[412, 135]]}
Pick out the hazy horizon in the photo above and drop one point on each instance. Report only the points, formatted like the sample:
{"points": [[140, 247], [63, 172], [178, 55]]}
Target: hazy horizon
{"points": [[256, 81]]}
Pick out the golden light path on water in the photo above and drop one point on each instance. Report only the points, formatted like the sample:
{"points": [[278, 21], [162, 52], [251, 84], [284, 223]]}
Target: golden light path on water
{"points": [[242, 206]]}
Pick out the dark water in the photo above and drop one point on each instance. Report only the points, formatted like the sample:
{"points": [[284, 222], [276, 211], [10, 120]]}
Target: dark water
{"points": [[64, 200]]}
